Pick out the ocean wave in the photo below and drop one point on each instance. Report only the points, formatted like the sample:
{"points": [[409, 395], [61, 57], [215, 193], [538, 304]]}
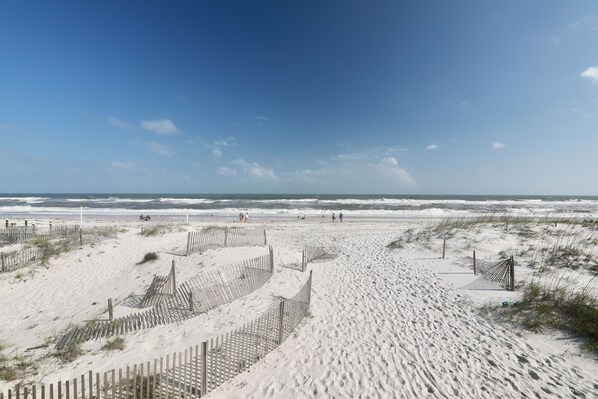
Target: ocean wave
{"points": [[29, 200]]}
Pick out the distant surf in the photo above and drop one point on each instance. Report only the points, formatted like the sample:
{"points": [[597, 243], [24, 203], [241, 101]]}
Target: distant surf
{"points": [[292, 205]]}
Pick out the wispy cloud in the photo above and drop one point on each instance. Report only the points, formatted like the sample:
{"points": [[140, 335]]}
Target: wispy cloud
{"points": [[217, 145], [497, 145], [160, 126], [227, 172], [261, 118], [254, 169], [432, 147], [591, 73], [587, 23], [464, 104], [555, 40], [314, 175], [227, 142], [119, 122], [160, 149], [122, 164], [390, 166]]}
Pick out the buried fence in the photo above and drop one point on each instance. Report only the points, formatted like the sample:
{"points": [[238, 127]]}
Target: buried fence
{"points": [[65, 237], [191, 373], [501, 272], [17, 235], [312, 253], [160, 288], [195, 296], [198, 241]]}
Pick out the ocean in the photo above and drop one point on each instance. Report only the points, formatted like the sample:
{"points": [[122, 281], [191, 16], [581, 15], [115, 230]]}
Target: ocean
{"points": [[285, 206]]}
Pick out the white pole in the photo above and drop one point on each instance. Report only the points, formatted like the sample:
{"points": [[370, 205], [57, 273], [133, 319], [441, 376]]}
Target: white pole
{"points": [[81, 218], [187, 218]]}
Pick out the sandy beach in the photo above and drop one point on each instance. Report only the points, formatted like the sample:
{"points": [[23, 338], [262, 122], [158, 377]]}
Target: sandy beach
{"points": [[383, 322]]}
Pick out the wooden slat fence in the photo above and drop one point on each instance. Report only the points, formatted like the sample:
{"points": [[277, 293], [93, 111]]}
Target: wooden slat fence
{"points": [[17, 235], [312, 253], [191, 373], [199, 241], [196, 296], [58, 236], [160, 288], [501, 272], [17, 259]]}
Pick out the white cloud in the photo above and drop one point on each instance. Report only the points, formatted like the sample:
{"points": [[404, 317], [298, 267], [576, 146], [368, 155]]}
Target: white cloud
{"points": [[227, 142], [216, 152], [587, 23], [432, 147], [497, 145], [464, 104], [119, 122], [160, 149], [591, 73], [228, 172], [555, 40], [122, 165], [314, 175], [390, 166], [160, 126], [261, 118], [255, 169]]}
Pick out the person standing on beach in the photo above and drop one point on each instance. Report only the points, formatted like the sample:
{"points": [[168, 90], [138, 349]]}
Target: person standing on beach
{"points": [[333, 217], [241, 217], [340, 217]]}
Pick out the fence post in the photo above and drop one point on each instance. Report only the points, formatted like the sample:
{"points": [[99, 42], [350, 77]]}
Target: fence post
{"points": [[188, 242], [191, 302], [225, 235], [265, 239], [80, 236], [443, 248], [204, 366], [280, 322], [110, 310], [512, 262], [474, 265], [2, 256], [271, 259], [303, 265], [173, 272], [309, 290]]}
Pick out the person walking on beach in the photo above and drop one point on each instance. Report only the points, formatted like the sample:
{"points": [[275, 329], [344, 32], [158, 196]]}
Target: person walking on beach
{"points": [[241, 217], [340, 217], [333, 217]]}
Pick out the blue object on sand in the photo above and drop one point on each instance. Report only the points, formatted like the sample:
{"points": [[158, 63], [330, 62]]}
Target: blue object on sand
{"points": [[505, 303], [516, 303]]}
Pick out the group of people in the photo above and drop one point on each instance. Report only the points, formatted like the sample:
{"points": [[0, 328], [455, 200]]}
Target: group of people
{"points": [[243, 217], [144, 217], [340, 217]]}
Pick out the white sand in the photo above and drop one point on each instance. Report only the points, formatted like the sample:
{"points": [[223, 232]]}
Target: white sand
{"points": [[384, 323]]}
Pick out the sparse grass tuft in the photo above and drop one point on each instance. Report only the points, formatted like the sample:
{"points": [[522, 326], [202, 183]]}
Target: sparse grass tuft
{"points": [[561, 307], [116, 344], [153, 231], [69, 353]]}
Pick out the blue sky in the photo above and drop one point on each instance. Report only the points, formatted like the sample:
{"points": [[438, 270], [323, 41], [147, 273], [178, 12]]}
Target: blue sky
{"points": [[397, 97]]}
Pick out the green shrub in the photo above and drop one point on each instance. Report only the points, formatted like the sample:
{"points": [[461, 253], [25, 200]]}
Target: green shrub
{"points": [[148, 257]]}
